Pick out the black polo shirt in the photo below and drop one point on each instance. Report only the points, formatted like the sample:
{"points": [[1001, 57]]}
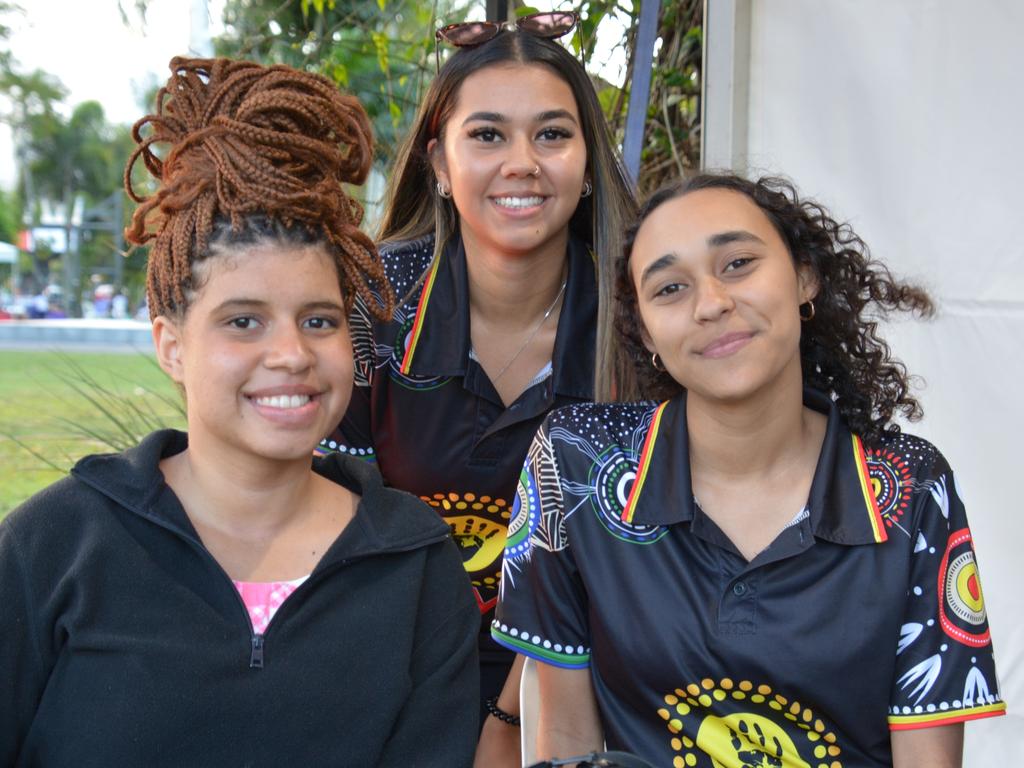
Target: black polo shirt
{"points": [[427, 413], [864, 615]]}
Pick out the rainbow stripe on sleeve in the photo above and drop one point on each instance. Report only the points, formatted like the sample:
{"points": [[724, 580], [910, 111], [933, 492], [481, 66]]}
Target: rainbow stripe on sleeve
{"points": [[947, 717]]}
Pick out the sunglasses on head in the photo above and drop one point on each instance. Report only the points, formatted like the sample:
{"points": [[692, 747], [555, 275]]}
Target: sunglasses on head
{"points": [[548, 25]]}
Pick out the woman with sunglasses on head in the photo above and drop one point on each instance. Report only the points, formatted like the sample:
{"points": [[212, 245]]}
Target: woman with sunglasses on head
{"points": [[761, 569], [219, 598], [506, 207]]}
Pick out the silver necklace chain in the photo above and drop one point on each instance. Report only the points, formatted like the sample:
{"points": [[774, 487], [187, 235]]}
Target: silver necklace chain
{"points": [[533, 333]]}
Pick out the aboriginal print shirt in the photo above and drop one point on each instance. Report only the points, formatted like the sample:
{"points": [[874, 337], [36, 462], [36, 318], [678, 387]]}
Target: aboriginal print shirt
{"points": [[864, 615], [427, 413]]}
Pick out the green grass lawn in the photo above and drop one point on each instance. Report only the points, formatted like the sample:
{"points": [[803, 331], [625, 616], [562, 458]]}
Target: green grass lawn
{"points": [[57, 407]]}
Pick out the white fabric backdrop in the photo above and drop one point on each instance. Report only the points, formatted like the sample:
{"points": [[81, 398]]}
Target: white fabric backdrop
{"points": [[906, 117]]}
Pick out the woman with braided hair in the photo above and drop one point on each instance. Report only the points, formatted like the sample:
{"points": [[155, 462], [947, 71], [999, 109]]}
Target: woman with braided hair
{"points": [[216, 597]]}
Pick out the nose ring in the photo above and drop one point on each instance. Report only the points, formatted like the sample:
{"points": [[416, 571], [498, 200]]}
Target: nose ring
{"points": [[535, 172]]}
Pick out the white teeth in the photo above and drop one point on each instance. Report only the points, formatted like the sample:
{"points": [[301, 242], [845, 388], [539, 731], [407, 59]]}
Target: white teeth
{"points": [[283, 401], [518, 202]]}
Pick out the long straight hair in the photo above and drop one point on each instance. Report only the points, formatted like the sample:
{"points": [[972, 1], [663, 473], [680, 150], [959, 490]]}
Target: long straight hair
{"points": [[413, 207]]}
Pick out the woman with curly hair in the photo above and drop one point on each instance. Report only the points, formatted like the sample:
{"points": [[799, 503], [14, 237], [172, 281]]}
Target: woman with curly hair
{"points": [[218, 597], [760, 569]]}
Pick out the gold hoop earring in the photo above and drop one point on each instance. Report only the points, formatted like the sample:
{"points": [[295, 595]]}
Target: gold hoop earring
{"points": [[587, 189], [810, 312], [656, 363], [445, 193]]}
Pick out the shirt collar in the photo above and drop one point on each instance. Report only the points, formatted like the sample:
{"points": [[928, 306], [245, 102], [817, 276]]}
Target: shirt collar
{"points": [[843, 509], [439, 340]]}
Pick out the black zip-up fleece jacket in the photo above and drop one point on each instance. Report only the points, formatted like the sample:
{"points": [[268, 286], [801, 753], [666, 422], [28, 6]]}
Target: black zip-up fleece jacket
{"points": [[124, 643]]}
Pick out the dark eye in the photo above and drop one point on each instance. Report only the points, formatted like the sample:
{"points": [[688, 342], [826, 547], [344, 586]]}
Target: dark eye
{"points": [[319, 323], [554, 134], [738, 263], [669, 289], [486, 135], [243, 323]]}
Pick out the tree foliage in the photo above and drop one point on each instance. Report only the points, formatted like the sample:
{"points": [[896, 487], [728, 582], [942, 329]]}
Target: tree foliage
{"points": [[10, 216], [671, 145], [381, 51], [59, 159]]}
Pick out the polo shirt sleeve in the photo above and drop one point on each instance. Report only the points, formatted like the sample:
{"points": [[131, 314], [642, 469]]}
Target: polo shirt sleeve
{"points": [[945, 669], [355, 433], [543, 607]]}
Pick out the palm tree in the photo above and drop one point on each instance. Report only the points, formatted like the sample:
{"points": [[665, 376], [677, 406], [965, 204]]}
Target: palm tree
{"points": [[70, 159]]}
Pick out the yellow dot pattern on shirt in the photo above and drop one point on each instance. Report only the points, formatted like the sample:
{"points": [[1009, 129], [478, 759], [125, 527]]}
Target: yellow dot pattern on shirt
{"points": [[469, 502], [694, 702]]}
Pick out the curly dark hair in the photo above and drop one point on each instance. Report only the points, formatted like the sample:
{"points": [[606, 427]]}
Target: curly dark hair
{"points": [[251, 153], [841, 351]]}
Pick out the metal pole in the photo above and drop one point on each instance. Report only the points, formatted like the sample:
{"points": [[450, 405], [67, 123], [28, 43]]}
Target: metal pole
{"points": [[640, 88]]}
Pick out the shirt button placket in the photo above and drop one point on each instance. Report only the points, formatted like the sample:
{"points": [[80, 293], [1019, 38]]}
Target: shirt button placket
{"points": [[738, 608]]}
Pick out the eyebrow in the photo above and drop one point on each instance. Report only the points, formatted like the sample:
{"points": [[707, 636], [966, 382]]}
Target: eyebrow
{"points": [[487, 117], [733, 236], [246, 303], [662, 262], [497, 117], [556, 114]]}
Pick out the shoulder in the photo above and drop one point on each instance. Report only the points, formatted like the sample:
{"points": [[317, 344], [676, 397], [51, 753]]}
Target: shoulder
{"points": [[911, 477], [398, 519], [910, 456], [405, 265], [405, 261], [577, 437], [53, 521], [400, 525], [97, 483], [608, 421], [55, 499]]}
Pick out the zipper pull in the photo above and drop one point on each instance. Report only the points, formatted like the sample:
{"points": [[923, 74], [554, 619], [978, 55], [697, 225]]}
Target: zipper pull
{"points": [[256, 655]]}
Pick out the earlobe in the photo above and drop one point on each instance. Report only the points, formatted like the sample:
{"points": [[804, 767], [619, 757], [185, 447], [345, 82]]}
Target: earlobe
{"points": [[167, 341]]}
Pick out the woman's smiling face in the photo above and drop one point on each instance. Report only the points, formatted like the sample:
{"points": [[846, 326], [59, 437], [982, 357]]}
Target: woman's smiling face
{"points": [[263, 352], [718, 295], [513, 155]]}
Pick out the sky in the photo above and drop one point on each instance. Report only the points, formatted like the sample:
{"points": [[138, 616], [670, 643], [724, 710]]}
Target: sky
{"points": [[86, 45]]}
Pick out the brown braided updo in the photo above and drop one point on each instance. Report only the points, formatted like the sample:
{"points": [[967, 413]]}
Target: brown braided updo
{"points": [[255, 153]]}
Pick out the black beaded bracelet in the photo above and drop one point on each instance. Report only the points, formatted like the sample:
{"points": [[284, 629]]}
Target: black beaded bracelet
{"points": [[501, 714]]}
